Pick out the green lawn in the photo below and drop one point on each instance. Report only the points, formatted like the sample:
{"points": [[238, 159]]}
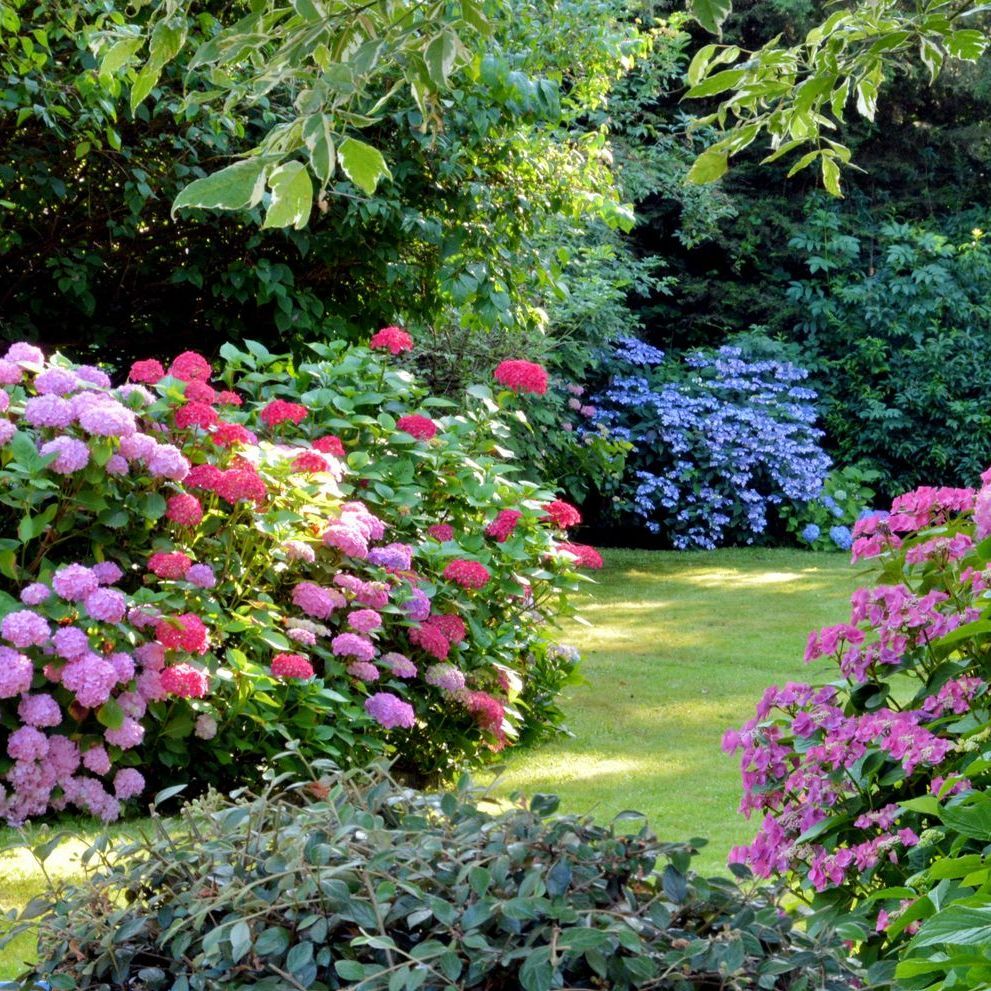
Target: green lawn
{"points": [[681, 646]]}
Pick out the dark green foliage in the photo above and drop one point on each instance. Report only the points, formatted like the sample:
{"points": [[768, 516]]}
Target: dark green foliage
{"points": [[355, 882]]}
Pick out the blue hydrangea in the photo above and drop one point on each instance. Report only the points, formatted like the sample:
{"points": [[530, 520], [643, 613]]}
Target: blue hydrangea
{"points": [[811, 532], [718, 441], [841, 536]]}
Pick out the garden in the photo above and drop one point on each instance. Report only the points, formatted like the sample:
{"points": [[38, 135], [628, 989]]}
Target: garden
{"points": [[495, 495]]}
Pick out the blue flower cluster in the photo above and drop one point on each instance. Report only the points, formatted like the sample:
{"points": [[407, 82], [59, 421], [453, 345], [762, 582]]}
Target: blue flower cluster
{"points": [[718, 441]]}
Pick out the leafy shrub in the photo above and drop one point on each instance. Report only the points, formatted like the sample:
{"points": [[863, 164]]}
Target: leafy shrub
{"points": [[719, 441], [826, 523], [867, 784], [182, 597], [355, 882]]}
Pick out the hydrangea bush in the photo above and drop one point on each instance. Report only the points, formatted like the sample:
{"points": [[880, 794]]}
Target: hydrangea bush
{"points": [[826, 523], [195, 571], [864, 785], [719, 441]]}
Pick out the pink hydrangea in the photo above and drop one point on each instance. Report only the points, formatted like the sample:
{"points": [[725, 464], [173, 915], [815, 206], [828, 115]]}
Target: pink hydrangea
{"points": [[123, 665], [347, 539], [148, 371], [441, 531], [74, 582], [70, 642], [418, 426], [186, 632], [27, 743], [107, 572], [39, 710], [24, 628], [35, 593], [522, 376], [91, 679], [390, 711], [117, 466], [445, 676], [291, 666], [202, 576], [298, 550], [301, 635], [48, 411], [363, 671], [364, 620], [190, 366], [107, 419], [399, 664], [20, 352], [168, 462], [194, 414], [431, 640], [393, 339], [279, 411], [96, 759], [10, 373], [107, 605], [130, 734], [185, 681], [352, 645], [128, 783], [71, 455], [316, 601], [467, 573], [562, 514], [503, 525], [184, 509], [7, 431], [173, 565]]}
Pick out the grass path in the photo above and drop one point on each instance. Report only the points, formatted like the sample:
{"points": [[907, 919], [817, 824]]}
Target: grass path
{"points": [[681, 646]]}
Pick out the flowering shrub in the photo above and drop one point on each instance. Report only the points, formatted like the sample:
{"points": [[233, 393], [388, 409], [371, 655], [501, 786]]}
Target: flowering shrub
{"points": [[826, 523], [864, 786], [194, 572], [719, 441]]}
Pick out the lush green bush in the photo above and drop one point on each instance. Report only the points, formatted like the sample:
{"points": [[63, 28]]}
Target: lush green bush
{"points": [[193, 575], [355, 882]]}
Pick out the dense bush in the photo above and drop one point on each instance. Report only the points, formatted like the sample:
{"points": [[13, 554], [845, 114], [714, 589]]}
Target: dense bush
{"points": [[719, 441], [865, 786], [826, 523], [189, 577], [355, 882]]}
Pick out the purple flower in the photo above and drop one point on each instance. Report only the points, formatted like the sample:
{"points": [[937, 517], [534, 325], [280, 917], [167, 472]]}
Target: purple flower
{"points": [[117, 465], [93, 375], [130, 734], [128, 783], [123, 665], [27, 744], [107, 573], [56, 382], [70, 642], [107, 419], [347, 539], [48, 411], [363, 671], [91, 679], [418, 605], [445, 676], [389, 710], [364, 620], [35, 593], [96, 759], [25, 628], [71, 455], [351, 645], [399, 664], [107, 605], [39, 710], [167, 461], [398, 557], [10, 374], [22, 353], [202, 576], [7, 430], [138, 445], [74, 582], [63, 757], [16, 673]]}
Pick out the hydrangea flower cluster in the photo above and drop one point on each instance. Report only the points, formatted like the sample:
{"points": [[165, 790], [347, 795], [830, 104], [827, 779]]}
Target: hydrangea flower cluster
{"points": [[847, 779], [245, 586], [719, 441]]}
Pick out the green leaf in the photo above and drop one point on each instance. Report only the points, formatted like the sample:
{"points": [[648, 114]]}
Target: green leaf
{"points": [[709, 166], [237, 187], [967, 44], [710, 13], [439, 57], [349, 970], [362, 164], [718, 83], [292, 196], [119, 54], [240, 940], [320, 144], [960, 925], [831, 176], [110, 714]]}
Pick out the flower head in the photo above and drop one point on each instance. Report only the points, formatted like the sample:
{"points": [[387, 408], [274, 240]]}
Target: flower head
{"points": [[467, 573], [420, 427], [291, 666], [522, 376], [390, 711], [395, 340]]}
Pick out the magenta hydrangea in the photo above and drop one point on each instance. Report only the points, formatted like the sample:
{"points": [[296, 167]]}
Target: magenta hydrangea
{"points": [[352, 645], [39, 710], [74, 582], [106, 604], [364, 620]]}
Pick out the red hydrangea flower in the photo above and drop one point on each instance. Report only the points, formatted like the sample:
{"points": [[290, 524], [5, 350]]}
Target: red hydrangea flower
{"points": [[174, 565], [195, 414], [451, 626], [395, 340], [522, 376], [309, 461], [588, 557], [200, 392], [562, 514], [504, 524], [186, 632], [204, 477], [230, 434], [185, 681], [189, 366], [279, 411], [236, 484], [441, 531], [420, 427], [149, 371], [467, 574], [291, 666], [184, 509], [228, 398], [488, 713], [430, 639], [329, 445]]}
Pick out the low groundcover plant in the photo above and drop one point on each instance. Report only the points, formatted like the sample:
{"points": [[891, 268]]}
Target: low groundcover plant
{"points": [[195, 570], [353, 881]]}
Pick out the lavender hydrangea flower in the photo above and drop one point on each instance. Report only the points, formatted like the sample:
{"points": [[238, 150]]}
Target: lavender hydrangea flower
{"points": [[16, 673], [351, 645], [169, 462], [108, 419], [398, 557], [202, 576], [35, 593], [39, 710], [445, 677], [21, 352], [56, 382], [399, 664], [71, 455], [48, 411], [74, 582], [390, 711], [24, 628], [107, 605], [128, 783], [107, 572], [7, 431]]}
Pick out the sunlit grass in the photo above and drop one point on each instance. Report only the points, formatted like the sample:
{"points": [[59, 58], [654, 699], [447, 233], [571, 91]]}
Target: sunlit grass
{"points": [[681, 647]]}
